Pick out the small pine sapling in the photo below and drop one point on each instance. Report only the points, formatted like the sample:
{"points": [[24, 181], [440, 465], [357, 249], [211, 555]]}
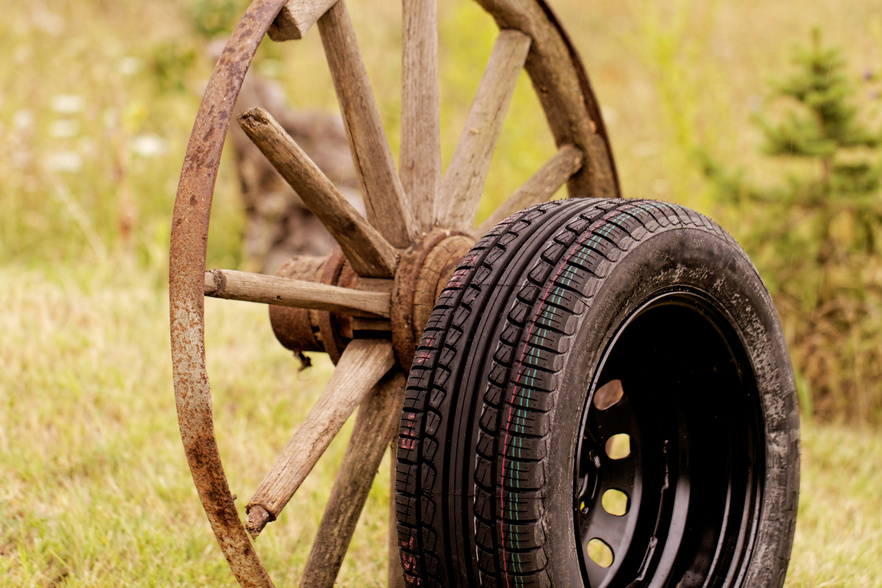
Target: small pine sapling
{"points": [[814, 233]]}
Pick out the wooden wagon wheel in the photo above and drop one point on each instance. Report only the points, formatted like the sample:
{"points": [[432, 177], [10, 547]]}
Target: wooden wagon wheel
{"points": [[568, 326], [370, 300]]}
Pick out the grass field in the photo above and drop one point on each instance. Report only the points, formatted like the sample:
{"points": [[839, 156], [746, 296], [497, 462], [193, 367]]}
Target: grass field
{"points": [[96, 491], [96, 99]]}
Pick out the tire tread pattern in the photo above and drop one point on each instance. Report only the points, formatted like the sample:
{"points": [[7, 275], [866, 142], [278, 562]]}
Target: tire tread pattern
{"points": [[579, 241]]}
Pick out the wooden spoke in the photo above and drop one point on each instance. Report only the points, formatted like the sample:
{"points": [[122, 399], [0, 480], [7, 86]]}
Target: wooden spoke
{"points": [[565, 93], [378, 419], [296, 17], [277, 291], [420, 160], [363, 363], [366, 249], [540, 187], [385, 200], [464, 180]]}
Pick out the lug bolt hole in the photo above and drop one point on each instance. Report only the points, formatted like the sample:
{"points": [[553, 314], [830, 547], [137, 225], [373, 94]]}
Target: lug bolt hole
{"points": [[600, 553], [608, 395], [618, 446], [615, 502]]}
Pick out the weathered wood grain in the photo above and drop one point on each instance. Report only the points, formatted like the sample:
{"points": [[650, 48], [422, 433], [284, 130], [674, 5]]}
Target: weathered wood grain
{"points": [[464, 181], [366, 249], [540, 187], [363, 363], [377, 421], [420, 157], [296, 17], [385, 201], [236, 285]]}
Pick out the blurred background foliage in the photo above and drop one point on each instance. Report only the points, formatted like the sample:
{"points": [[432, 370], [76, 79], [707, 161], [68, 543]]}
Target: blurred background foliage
{"points": [[813, 231], [711, 104], [702, 99]]}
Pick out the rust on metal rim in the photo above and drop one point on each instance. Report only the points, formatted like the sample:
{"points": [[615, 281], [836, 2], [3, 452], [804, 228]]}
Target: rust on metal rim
{"points": [[591, 102], [186, 268], [292, 326]]}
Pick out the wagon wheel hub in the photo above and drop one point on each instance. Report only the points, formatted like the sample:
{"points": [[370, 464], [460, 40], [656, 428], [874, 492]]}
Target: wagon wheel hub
{"points": [[422, 271]]}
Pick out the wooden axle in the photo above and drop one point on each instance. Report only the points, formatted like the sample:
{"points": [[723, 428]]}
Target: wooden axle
{"points": [[279, 291], [346, 306]]}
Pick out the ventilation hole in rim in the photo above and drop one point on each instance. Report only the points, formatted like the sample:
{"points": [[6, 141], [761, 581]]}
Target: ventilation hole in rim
{"points": [[618, 446], [608, 395], [600, 553], [615, 502]]}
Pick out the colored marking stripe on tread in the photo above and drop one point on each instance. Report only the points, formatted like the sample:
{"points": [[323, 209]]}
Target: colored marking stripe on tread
{"points": [[598, 230], [411, 540]]}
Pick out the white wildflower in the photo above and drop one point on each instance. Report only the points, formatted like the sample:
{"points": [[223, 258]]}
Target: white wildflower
{"points": [[67, 103], [64, 161], [149, 145], [129, 66], [23, 120], [64, 128]]}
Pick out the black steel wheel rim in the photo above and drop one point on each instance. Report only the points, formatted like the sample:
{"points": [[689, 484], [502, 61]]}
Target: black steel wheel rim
{"points": [[670, 459]]}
